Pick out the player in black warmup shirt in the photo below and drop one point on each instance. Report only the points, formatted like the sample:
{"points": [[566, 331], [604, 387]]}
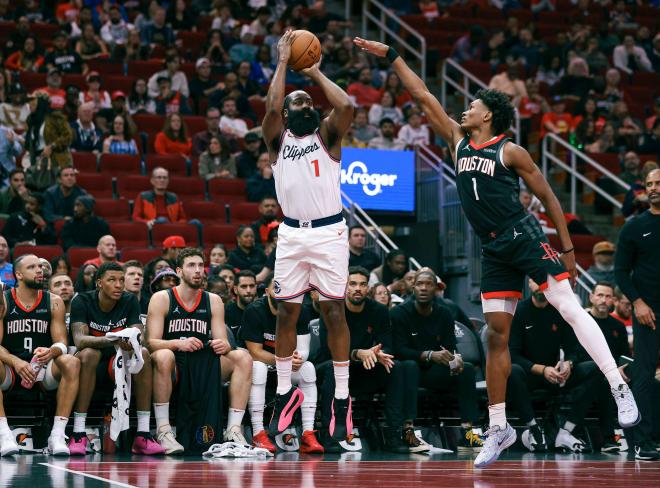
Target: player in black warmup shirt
{"points": [[93, 314], [245, 291], [33, 327], [488, 167], [185, 319]]}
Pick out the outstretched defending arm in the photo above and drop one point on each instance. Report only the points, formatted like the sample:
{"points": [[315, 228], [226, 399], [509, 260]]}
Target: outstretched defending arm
{"points": [[442, 124]]}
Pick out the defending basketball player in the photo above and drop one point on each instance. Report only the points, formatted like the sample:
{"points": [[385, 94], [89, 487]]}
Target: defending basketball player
{"points": [[182, 320], [312, 249], [33, 329], [488, 167]]}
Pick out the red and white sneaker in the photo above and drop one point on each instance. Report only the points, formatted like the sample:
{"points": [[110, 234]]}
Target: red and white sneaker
{"points": [[262, 440], [78, 444], [341, 422], [144, 443], [309, 444]]}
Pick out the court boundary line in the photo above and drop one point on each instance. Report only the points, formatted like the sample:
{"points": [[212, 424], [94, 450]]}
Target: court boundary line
{"points": [[82, 473]]}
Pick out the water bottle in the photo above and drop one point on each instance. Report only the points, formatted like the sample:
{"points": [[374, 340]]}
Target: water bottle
{"points": [[36, 366]]}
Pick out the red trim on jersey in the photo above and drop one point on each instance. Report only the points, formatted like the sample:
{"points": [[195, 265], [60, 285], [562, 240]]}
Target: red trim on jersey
{"points": [[326, 149], [561, 276], [20, 305], [501, 294], [486, 144], [327, 295], [180, 302], [293, 296]]}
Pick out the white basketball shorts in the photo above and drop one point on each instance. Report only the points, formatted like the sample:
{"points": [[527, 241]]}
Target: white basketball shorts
{"points": [[311, 259]]}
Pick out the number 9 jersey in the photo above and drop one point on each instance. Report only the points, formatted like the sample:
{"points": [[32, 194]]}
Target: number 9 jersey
{"points": [[24, 329]]}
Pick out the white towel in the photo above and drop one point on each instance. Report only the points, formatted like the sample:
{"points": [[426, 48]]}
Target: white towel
{"points": [[126, 364]]}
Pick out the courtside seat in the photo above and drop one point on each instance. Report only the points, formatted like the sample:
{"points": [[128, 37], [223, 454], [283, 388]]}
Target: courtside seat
{"points": [[99, 185], [46, 252], [130, 234], [120, 164], [113, 210], [78, 255], [142, 254], [190, 233]]}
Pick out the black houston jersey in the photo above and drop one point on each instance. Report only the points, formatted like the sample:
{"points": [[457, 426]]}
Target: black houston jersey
{"points": [[488, 190], [26, 329], [182, 322]]}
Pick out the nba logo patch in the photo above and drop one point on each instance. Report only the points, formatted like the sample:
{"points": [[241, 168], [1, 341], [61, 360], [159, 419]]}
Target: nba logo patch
{"points": [[204, 434], [277, 288]]}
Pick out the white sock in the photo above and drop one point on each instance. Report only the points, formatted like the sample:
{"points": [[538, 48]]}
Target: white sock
{"points": [[79, 420], [569, 426], [308, 407], [560, 295], [235, 417], [341, 378], [256, 407], [284, 366], [59, 424], [497, 415], [162, 414], [143, 420], [4, 426]]}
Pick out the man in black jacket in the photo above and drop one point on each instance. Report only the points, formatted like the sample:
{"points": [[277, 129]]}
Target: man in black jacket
{"points": [[59, 198], [636, 272], [85, 229], [538, 336], [28, 226], [424, 332]]}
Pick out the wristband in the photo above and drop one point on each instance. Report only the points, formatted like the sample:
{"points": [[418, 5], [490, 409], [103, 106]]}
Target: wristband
{"points": [[428, 356], [566, 251], [392, 54], [354, 355], [60, 346]]}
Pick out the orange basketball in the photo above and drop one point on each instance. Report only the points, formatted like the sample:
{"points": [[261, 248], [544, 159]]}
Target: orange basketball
{"points": [[305, 50]]}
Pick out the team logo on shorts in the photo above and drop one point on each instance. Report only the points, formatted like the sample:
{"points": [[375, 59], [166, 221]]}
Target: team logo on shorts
{"points": [[277, 288], [204, 434], [550, 253]]}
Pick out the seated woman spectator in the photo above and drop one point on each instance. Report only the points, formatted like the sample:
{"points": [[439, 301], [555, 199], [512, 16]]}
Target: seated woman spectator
{"points": [[120, 140], [85, 279], [262, 68], [393, 84], [589, 111], [26, 59], [246, 255], [216, 53], [379, 292], [584, 134], [139, 101], [94, 94], [550, 72], [612, 91], [606, 142], [386, 108], [391, 272], [90, 45], [173, 139], [180, 17], [217, 257], [60, 264], [217, 161], [577, 83], [14, 112], [414, 132], [172, 70]]}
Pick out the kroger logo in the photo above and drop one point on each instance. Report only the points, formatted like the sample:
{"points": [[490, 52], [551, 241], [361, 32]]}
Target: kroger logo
{"points": [[372, 183]]}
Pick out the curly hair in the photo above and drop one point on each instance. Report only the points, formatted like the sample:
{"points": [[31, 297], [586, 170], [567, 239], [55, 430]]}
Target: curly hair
{"points": [[500, 105]]}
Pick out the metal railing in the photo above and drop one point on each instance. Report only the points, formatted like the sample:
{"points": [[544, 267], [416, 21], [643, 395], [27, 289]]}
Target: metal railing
{"points": [[377, 240], [381, 21], [574, 174], [465, 89]]}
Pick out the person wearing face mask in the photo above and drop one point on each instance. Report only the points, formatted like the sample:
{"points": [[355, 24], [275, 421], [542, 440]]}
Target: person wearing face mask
{"points": [[603, 267]]}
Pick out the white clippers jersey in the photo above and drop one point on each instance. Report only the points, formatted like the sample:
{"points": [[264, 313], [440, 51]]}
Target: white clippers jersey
{"points": [[306, 178]]}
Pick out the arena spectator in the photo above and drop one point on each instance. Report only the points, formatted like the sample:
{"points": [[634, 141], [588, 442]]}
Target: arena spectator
{"points": [[120, 140], [386, 108], [630, 58], [169, 101], [10, 148], [172, 246], [134, 282], [157, 33], [180, 17], [605, 143], [86, 278], [363, 90], [631, 168], [654, 54], [178, 79], [589, 112], [392, 271], [533, 105], [246, 162], [245, 50], [59, 199], [173, 139], [595, 57], [612, 92], [158, 205], [12, 197], [232, 90], [86, 137], [248, 87], [577, 83], [115, 30], [100, 98], [379, 293], [60, 264], [18, 35], [107, 249], [526, 51], [217, 256], [139, 101], [359, 255], [414, 133], [267, 221], [85, 229], [623, 313], [603, 267], [231, 125], [62, 57], [200, 141], [202, 85], [386, 140], [509, 82], [363, 131], [628, 128], [6, 268], [262, 68], [217, 161], [551, 71], [557, 121], [261, 183], [53, 89], [469, 47], [246, 255], [71, 102], [28, 59], [14, 112], [28, 227], [223, 20], [650, 143], [216, 53], [538, 333], [245, 290], [60, 284]]}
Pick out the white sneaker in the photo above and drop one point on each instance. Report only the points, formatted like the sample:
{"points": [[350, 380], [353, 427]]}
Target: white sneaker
{"points": [[566, 440], [8, 446], [534, 439], [497, 440], [57, 445], [625, 403], [235, 434], [167, 441]]}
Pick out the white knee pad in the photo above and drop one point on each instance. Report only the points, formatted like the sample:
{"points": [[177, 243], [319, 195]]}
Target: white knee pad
{"points": [[306, 374], [259, 373], [9, 377], [506, 304], [49, 382]]}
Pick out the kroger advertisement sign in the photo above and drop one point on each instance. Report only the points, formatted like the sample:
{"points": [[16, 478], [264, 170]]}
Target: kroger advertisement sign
{"points": [[377, 179]]}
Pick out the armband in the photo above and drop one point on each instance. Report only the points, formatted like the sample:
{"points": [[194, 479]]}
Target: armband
{"points": [[392, 54], [60, 346]]}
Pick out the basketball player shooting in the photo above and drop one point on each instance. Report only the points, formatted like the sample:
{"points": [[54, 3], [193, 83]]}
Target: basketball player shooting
{"points": [[312, 249], [488, 167]]}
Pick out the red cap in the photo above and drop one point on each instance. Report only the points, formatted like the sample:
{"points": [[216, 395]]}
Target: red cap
{"points": [[118, 94], [174, 241]]}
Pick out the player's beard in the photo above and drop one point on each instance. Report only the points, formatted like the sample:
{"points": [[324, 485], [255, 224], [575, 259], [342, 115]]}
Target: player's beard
{"points": [[34, 284], [245, 301], [357, 300], [192, 284], [301, 125]]}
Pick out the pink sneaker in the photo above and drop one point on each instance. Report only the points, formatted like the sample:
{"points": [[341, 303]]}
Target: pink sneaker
{"points": [[78, 444], [144, 443]]}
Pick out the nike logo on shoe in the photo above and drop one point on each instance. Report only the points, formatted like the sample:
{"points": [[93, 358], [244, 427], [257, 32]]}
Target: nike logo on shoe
{"points": [[647, 234]]}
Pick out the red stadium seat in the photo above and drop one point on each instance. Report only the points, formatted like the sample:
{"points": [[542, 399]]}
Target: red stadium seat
{"points": [[244, 212], [46, 252], [585, 243], [142, 254], [259, 107], [220, 234], [74, 79], [78, 255], [144, 69], [105, 67], [228, 189], [194, 124], [85, 162], [2, 224], [149, 123], [188, 189], [130, 234], [207, 212], [190, 233], [174, 163], [32, 81], [610, 161], [120, 164], [113, 210], [99, 185], [119, 82], [128, 186]]}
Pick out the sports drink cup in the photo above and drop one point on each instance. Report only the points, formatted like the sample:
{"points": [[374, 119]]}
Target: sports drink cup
{"points": [[36, 366]]}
